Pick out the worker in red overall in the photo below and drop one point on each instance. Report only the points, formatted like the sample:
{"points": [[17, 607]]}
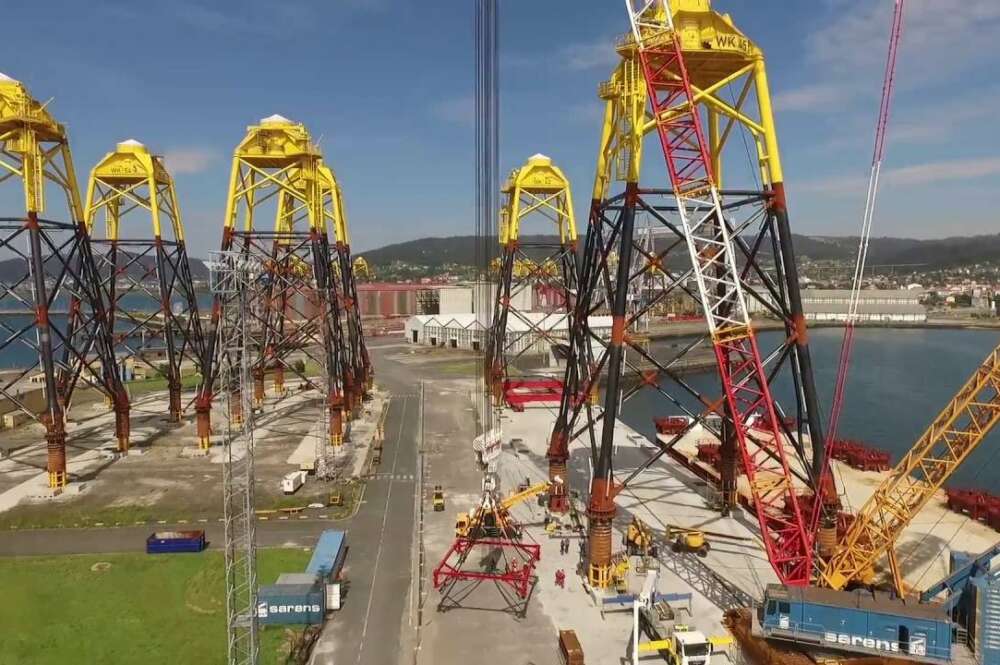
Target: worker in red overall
{"points": [[561, 579]]}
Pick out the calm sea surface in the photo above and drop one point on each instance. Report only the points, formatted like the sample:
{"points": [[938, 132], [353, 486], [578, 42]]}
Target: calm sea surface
{"points": [[898, 382]]}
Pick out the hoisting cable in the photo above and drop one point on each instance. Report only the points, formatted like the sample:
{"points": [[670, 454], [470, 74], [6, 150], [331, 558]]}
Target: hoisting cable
{"points": [[878, 154]]}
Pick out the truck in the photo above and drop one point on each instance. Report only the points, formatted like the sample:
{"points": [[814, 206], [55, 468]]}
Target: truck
{"points": [[291, 483], [289, 604], [861, 621], [168, 542], [682, 646]]}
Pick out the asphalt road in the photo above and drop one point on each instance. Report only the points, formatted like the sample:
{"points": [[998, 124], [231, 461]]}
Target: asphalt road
{"points": [[368, 629], [28, 542]]}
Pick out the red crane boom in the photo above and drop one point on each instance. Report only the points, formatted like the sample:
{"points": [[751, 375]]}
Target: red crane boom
{"points": [[784, 529]]}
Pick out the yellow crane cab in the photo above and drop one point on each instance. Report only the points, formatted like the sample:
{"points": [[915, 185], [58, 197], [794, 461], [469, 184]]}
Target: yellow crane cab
{"points": [[462, 525], [638, 539], [691, 540]]}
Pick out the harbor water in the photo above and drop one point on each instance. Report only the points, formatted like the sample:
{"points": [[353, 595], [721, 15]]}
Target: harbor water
{"points": [[899, 380]]}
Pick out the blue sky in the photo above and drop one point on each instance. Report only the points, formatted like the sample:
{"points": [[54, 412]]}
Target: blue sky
{"points": [[386, 87]]}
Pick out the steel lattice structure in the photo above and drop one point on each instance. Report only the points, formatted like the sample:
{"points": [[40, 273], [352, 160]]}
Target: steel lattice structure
{"points": [[236, 277], [297, 324], [724, 248], [145, 271], [358, 366], [535, 193], [63, 326]]}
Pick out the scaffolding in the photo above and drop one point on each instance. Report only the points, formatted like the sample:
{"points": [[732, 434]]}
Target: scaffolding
{"points": [[235, 276]]}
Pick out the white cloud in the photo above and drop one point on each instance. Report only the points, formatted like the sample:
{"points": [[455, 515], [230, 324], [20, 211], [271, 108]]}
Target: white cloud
{"points": [[906, 176], [457, 110], [596, 54], [182, 161], [955, 169], [941, 39], [812, 97]]}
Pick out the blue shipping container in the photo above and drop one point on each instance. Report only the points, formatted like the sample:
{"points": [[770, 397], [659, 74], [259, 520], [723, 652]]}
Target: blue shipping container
{"points": [[987, 623], [291, 604], [328, 557], [161, 542]]}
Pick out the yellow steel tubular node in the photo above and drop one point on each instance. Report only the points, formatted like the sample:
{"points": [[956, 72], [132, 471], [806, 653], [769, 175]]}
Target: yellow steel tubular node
{"points": [[728, 78], [132, 178], [35, 149], [954, 434], [537, 187], [333, 204], [275, 156]]}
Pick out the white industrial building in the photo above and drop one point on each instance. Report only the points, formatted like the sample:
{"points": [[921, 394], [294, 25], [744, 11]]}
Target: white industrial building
{"points": [[460, 298], [463, 331], [874, 305]]}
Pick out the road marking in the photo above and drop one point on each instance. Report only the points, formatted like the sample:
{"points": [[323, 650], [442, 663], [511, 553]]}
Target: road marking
{"points": [[381, 537]]}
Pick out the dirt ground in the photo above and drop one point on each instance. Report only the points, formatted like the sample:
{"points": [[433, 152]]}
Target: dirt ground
{"points": [[157, 481]]}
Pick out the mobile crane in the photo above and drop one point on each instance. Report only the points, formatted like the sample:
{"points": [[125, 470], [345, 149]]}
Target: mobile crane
{"points": [[494, 520]]}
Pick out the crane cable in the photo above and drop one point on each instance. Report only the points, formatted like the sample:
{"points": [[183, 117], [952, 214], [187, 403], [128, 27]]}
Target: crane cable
{"points": [[866, 225]]}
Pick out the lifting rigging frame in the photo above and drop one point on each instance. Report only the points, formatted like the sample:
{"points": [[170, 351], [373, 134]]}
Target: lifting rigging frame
{"points": [[131, 179], [59, 271]]}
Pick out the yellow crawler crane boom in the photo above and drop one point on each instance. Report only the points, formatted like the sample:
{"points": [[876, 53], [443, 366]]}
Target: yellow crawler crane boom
{"points": [[524, 495], [954, 434]]}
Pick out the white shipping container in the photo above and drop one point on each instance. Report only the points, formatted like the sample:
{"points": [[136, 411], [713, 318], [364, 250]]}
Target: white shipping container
{"points": [[291, 483]]}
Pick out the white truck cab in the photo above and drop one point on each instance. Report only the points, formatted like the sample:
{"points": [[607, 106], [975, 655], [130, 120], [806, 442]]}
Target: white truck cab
{"points": [[691, 647]]}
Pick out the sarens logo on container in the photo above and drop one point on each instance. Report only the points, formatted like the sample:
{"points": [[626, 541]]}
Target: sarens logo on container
{"points": [[264, 609], [917, 645]]}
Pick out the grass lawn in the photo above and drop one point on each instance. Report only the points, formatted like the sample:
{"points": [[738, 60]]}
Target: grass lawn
{"points": [[143, 608]]}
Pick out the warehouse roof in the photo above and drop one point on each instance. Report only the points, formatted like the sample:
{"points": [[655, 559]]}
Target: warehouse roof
{"points": [[545, 320], [863, 308], [865, 294]]}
